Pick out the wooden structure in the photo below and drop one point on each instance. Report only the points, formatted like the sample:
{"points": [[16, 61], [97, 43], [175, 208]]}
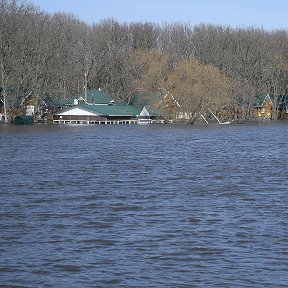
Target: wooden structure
{"points": [[91, 97], [263, 107], [104, 114], [24, 120], [96, 107], [271, 107]]}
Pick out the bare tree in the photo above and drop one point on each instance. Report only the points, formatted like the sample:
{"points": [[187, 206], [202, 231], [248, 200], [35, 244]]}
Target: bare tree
{"points": [[17, 21], [60, 55]]}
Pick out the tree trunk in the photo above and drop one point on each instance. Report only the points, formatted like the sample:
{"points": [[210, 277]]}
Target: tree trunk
{"points": [[4, 94]]}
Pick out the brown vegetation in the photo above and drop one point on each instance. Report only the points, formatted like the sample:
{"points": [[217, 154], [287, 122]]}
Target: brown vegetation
{"points": [[202, 66]]}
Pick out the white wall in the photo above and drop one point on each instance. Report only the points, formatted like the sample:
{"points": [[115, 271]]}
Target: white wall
{"points": [[78, 112], [144, 112]]}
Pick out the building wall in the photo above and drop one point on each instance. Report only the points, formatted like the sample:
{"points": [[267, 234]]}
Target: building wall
{"points": [[264, 111], [30, 110], [79, 117], [76, 112]]}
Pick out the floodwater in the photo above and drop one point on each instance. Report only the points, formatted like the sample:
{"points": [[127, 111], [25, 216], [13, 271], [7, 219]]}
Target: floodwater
{"points": [[144, 206]]}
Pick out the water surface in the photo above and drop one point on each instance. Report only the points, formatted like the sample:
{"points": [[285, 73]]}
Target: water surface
{"points": [[144, 206]]}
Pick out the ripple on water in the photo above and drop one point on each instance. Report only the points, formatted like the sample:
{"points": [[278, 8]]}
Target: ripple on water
{"points": [[156, 206]]}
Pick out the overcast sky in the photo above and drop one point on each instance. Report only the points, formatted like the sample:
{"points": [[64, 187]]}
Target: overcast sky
{"points": [[267, 14]]}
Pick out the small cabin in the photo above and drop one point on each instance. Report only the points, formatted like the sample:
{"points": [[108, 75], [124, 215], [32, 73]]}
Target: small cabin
{"points": [[271, 107], [24, 120], [263, 107]]}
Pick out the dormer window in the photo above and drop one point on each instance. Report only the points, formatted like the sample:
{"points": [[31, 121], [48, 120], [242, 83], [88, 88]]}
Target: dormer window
{"points": [[81, 101]]}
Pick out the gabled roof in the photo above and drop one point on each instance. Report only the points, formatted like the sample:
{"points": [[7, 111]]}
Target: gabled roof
{"points": [[94, 96], [24, 119], [153, 111], [281, 101], [261, 99], [114, 110], [107, 110]]}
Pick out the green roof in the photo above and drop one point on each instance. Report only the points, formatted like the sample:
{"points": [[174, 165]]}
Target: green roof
{"points": [[94, 96], [153, 111], [24, 120], [281, 101], [113, 110], [259, 100]]}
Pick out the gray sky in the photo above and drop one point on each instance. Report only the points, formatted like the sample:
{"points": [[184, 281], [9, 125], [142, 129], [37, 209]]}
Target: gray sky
{"points": [[267, 14]]}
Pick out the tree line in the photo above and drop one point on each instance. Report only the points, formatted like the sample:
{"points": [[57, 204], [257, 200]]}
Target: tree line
{"points": [[204, 66]]}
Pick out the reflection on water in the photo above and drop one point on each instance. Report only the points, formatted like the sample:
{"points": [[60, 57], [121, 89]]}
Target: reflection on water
{"points": [[153, 206]]}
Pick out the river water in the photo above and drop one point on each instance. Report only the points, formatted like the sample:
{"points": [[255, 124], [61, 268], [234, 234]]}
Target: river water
{"points": [[144, 206]]}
